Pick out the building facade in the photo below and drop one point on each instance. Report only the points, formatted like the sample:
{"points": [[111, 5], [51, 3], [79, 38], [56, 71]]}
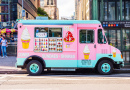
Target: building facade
{"points": [[10, 10], [115, 18], [83, 9], [50, 6]]}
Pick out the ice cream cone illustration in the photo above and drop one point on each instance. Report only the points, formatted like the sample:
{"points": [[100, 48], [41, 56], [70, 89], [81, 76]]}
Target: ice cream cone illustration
{"points": [[86, 52], [25, 38], [114, 53]]}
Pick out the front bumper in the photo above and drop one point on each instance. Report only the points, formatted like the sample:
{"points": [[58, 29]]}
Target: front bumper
{"points": [[118, 64]]}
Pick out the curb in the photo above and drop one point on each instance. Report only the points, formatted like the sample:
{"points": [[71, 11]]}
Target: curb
{"points": [[124, 70], [11, 70]]}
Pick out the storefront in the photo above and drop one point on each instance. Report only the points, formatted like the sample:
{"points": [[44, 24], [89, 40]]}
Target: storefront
{"points": [[11, 36], [115, 18], [118, 35]]}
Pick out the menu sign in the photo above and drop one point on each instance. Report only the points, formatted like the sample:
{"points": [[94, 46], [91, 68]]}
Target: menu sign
{"points": [[116, 24], [41, 35]]}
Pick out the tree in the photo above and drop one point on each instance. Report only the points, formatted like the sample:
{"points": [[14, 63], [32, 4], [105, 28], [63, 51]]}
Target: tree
{"points": [[41, 12]]}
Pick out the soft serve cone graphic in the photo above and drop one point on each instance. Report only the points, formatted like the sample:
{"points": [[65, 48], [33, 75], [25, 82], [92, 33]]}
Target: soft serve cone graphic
{"points": [[25, 38], [114, 52], [86, 52]]}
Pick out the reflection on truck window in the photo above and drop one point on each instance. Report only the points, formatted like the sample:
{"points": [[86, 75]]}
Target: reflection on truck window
{"points": [[86, 36], [55, 32], [39, 32], [100, 36]]}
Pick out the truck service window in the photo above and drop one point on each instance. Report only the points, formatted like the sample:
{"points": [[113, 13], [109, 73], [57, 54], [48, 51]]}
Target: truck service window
{"points": [[48, 40], [86, 36], [55, 32]]}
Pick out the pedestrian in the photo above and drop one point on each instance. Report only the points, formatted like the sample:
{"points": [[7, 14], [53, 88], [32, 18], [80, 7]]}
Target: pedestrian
{"points": [[0, 44], [3, 45]]}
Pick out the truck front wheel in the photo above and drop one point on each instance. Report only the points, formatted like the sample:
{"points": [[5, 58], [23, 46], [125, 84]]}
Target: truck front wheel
{"points": [[105, 67], [34, 68]]}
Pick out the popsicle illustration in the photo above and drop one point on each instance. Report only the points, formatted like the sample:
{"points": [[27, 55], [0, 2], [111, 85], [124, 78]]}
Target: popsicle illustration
{"points": [[114, 52], [25, 38], [86, 52]]}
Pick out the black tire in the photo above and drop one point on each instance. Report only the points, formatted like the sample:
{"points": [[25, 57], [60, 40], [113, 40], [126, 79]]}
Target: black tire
{"points": [[108, 70], [39, 65]]}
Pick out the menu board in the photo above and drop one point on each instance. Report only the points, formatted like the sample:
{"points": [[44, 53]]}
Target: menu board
{"points": [[41, 44], [59, 45], [48, 45]]}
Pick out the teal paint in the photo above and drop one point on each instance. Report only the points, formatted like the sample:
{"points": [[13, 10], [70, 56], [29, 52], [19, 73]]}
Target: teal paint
{"points": [[105, 67], [74, 63], [121, 9], [58, 22], [61, 63], [102, 10], [117, 58], [93, 8], [96, 10], [34, 68], [20, 61]]}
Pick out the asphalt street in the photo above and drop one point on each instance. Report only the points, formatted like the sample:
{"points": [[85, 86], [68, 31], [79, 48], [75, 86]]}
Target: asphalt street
{"points": [[65, 81]]}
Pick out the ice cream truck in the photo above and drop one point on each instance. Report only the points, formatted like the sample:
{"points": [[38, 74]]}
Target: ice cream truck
{"points": [[65, 44]]}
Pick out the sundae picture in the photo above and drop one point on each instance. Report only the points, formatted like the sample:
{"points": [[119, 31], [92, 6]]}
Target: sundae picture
{"points": [[114, 52], [25, 38], [69, 37], [86, 52]]}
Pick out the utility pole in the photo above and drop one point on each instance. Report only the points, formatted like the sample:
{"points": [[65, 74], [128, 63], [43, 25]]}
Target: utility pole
{"points": [[22, 9]]}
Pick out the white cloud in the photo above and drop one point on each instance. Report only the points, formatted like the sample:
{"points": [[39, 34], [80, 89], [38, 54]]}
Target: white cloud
{"points": [[66, 7]]}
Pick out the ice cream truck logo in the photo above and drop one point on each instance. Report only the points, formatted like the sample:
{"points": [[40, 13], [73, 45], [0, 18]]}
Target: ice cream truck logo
{"points": [[69, 37], [25, 38]]}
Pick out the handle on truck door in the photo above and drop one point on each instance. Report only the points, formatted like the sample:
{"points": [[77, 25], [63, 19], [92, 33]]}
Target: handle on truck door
{"points": [[95, 46]]}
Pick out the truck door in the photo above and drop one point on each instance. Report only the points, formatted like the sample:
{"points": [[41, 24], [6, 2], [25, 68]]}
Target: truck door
{"points": [[86, 47]]}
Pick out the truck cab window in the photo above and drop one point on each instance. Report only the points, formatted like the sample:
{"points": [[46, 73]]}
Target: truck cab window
{"points": [[100, 36], [86, 36]]}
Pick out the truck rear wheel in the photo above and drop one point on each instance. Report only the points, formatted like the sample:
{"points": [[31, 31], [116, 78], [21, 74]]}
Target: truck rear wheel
{"points": [[105, 67], [34, 68]]}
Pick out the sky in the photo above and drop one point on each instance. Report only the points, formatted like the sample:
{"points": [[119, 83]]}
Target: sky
{"points": [[66, 8]]}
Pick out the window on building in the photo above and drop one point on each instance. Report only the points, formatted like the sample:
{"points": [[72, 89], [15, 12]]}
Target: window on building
{"points": [[111, 11], [47, 2], [105, 11], [123, 11], [126, 39], [118, 15], [86, 36], [127, 11], [51, 2]]}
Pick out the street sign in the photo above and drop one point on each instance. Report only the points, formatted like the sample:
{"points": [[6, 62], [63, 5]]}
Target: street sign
{"points": [[41, 18], [23, 13], [116, 24]]}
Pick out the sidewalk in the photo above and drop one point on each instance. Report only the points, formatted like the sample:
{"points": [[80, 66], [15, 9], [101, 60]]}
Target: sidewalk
{"points": [[7, 66], [8, 61]]}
